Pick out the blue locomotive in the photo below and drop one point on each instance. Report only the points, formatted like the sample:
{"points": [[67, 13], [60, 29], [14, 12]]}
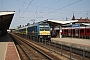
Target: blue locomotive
{"points": [[40, 31]]}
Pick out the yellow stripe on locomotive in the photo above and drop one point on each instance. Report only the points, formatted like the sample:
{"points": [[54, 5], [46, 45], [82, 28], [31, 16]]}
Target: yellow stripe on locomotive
{"points": [[44, 32]]}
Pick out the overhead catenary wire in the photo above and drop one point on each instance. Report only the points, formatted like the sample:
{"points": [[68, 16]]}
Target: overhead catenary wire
{"points": [[21, 8], [55, 9], [25, 10], [46, 7], [62, 7], [52, 4], [31, 4], [58, 9], [52, 11], [43, 9]]}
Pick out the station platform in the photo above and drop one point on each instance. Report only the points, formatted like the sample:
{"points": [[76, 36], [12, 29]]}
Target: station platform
{"points": [[8, 50], [74, 42]]}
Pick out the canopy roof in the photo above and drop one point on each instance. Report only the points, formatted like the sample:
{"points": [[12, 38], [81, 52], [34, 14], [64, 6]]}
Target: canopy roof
{"points": [[5, 19], [59, 22]]}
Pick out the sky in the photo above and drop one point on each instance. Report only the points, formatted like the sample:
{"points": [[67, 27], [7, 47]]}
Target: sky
{"points": [[27, 11]]}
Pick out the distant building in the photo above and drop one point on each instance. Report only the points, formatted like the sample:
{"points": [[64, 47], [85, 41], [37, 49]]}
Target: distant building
{"points": [[81, 20]]}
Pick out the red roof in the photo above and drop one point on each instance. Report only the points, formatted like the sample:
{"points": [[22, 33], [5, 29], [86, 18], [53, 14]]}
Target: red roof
{"points": [[86, 20]]}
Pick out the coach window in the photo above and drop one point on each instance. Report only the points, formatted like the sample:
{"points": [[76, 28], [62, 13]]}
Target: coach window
{"points": [[82, 30], [88, 31]]}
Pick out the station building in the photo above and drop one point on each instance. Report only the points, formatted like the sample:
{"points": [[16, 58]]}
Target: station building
{"points": [[81, 20]]}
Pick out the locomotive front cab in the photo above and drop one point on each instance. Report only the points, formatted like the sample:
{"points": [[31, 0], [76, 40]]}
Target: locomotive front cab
{"points": [[44, 31]]}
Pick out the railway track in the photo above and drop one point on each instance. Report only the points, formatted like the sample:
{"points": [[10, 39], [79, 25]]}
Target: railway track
{"points": [[50, 55], [66, 51], [29, 52], [70, 52]]}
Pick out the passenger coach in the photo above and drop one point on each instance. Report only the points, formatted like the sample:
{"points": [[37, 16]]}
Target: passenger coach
{"points": [[82, 31]]}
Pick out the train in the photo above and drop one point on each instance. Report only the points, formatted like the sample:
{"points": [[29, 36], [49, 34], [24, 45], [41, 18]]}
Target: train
{"points": [[39, 31], [78, 32]]}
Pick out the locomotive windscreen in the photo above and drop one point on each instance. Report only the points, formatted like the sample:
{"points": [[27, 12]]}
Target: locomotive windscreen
{"points": [[44, 27]]}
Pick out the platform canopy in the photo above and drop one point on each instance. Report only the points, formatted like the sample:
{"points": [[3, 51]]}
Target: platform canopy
{"points": [[59, 22], [5, 19]]}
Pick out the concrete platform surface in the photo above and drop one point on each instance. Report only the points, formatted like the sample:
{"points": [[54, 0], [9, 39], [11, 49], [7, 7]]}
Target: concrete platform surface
{"points": [[74, 42], [8, 50], [3, 46]]}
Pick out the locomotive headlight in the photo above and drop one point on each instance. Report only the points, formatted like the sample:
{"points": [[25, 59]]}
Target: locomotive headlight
{"points": [[48, 36], [41, 36]]}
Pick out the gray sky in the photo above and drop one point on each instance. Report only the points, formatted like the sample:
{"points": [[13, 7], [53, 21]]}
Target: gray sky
{"points": [[27, 10]]}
